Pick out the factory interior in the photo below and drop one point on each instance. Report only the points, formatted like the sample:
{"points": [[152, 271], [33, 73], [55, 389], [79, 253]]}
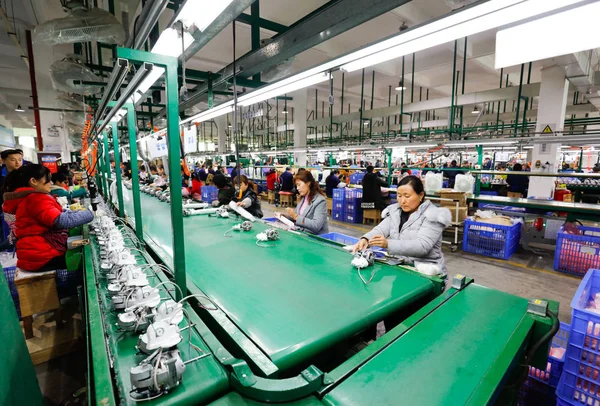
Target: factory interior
{"points": [[300, 202]]}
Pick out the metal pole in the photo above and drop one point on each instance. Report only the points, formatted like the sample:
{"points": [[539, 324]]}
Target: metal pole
{"points": [[412, 79], [388, 117], [403, 87], [479, 163], [34, 95], [107, 165], [135, 177], [362, 95], [115, 135], [330, 110], [372, 98], [519, 99], [451, 126]]}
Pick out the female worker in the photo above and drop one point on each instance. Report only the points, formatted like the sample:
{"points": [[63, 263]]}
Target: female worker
{"points": [[247, 197], [412, 229], [41, 226], [311, 212]]}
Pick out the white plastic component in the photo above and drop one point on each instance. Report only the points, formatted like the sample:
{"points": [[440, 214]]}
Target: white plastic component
{"points": [[136, 278], [261, 237], [464, 183], [360, 262], [195, 206], [199, 212], [169, 311], [144, 296], [433, 182], [160, 334], [285, 221], [241, 211]]}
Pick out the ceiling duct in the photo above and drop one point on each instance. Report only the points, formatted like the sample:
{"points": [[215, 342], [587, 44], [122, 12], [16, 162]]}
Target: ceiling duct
{"points": [[279, 71], [64, 72], [81, 25], [71, 101]]}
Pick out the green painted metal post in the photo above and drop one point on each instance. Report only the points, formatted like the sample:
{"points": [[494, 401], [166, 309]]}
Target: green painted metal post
{"points": [[118, 169], [362, 107], [174, 154], [403, 87], [479, 163], [580, 160], [412, 80], [107, 166], [388, 117], [451, 123], [519, 100], [135, 177], [331, 111], [388, 153]]}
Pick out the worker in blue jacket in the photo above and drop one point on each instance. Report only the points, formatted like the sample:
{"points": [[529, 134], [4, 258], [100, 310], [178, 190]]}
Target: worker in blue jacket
{"points": [[287, 180]]}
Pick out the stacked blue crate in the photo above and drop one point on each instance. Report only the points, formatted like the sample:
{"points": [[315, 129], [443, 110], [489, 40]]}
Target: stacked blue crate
{"points": [[356, 178], [209, 193], [338, 205], [354, 212]]}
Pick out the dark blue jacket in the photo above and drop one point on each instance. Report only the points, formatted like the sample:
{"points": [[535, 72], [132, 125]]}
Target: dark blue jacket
{"points": [[331, 183], [287, 181]]}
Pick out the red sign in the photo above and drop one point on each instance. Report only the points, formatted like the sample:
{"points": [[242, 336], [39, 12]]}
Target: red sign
{"points": [[50, 161]]}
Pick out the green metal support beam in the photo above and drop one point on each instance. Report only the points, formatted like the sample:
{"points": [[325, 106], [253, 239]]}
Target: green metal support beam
{"points": [[261, 22], [174, 154]]}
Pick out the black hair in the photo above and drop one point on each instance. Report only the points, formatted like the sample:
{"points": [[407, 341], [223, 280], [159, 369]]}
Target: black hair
{"points": [[414, 182], [59, 177], [220, 180], [517, 167], [370, 169], [20, 177], [453, 163], [5, 154]]}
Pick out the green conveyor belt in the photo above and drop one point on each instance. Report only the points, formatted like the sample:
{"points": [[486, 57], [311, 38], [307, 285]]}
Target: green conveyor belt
{"points": [[294, 300], [457, 355]]}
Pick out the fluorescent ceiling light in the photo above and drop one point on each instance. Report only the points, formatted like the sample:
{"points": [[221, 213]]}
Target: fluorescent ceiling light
{"points": [[475, 110], [207, 115], [280, 88], [201, 13], [169, 43], [400, 88], [483, 17], [530, 147], [19, 109], [421, 146], [284, 112], [563, 33], [500, 148]]}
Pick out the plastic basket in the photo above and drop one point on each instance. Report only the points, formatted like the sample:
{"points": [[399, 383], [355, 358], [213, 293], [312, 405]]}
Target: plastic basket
{"points": [[575, 254], [491, 240], [353, 195], [209, 193], [67, 282], [580, 380], [551, 375], [348, 240], [338, 213], [9, 273], [354, 216], [356, 178], [488, 193], [339, 194]]}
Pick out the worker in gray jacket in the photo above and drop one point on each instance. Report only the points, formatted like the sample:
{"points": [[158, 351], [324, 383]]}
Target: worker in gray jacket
{"points": [[412, 229], [310, 214]]}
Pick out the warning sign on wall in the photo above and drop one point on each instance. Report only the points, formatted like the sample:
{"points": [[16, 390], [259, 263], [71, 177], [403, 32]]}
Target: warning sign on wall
{"points": [[547, 130]]}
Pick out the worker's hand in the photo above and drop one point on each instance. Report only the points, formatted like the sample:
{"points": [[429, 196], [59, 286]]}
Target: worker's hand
{"points": [[291, 213], [379, 241], [240, 204], [362, 244]]}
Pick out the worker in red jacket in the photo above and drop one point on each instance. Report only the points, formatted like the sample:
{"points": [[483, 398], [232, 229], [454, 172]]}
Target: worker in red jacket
{"points": [[196, 189], [271, 179], [41, 226]]}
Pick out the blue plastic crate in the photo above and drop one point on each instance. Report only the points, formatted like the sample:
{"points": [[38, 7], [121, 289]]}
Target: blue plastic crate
{"points": [[488, 193], [536, 393], [348, 240], [551, 375], [576, 254], [355, 216], [339, 194], [356, 178], [353, 194], [67, 282], [491, 240], [9, 273], [338, 211], [209, 193], [580, 380]]}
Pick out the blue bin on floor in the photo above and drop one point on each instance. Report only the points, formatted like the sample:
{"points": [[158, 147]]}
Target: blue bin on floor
{"points": [[581, 372], [491, 240], [9, 273], [576, 254], [338, 211], [209, 193]]}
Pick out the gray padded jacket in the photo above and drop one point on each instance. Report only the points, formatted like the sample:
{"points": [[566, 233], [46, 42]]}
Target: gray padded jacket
{"points": [[314, 218], [420, 241]]}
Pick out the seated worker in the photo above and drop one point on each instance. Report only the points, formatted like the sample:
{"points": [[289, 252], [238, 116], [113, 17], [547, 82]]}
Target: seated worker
{"points": [[271, 179], [41, 226], [161, 179], [411, 229], [310, 214], [287, 180], [60, 188], [518, 183], [371, 185], [196, 189], [226, 191], [246, 197], [142, 173], [332, 182], [153, 174]]}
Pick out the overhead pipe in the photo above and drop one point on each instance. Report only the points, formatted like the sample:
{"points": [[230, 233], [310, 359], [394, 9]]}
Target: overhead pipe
{"points": [[137, 79], [115, 80], [148, 17], [34, 95]]}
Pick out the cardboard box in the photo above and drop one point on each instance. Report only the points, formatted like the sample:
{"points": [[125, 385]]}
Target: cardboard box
{"points": [[514, 194], [500, 220], [462, 214], [461, 197]]}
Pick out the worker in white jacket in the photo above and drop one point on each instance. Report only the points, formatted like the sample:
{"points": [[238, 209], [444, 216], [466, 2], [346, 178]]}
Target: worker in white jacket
{"points": [[411, 229]]}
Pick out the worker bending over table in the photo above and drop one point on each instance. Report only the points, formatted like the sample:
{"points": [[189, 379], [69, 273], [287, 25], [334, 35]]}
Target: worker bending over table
{"points": [[411, 229]]}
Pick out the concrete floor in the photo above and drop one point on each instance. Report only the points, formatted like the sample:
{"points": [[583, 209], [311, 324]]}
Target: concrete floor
{"points": [[525, 274]]}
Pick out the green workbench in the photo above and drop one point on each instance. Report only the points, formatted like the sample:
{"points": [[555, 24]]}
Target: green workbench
{"points": [[294, 300], [449, 358]]}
